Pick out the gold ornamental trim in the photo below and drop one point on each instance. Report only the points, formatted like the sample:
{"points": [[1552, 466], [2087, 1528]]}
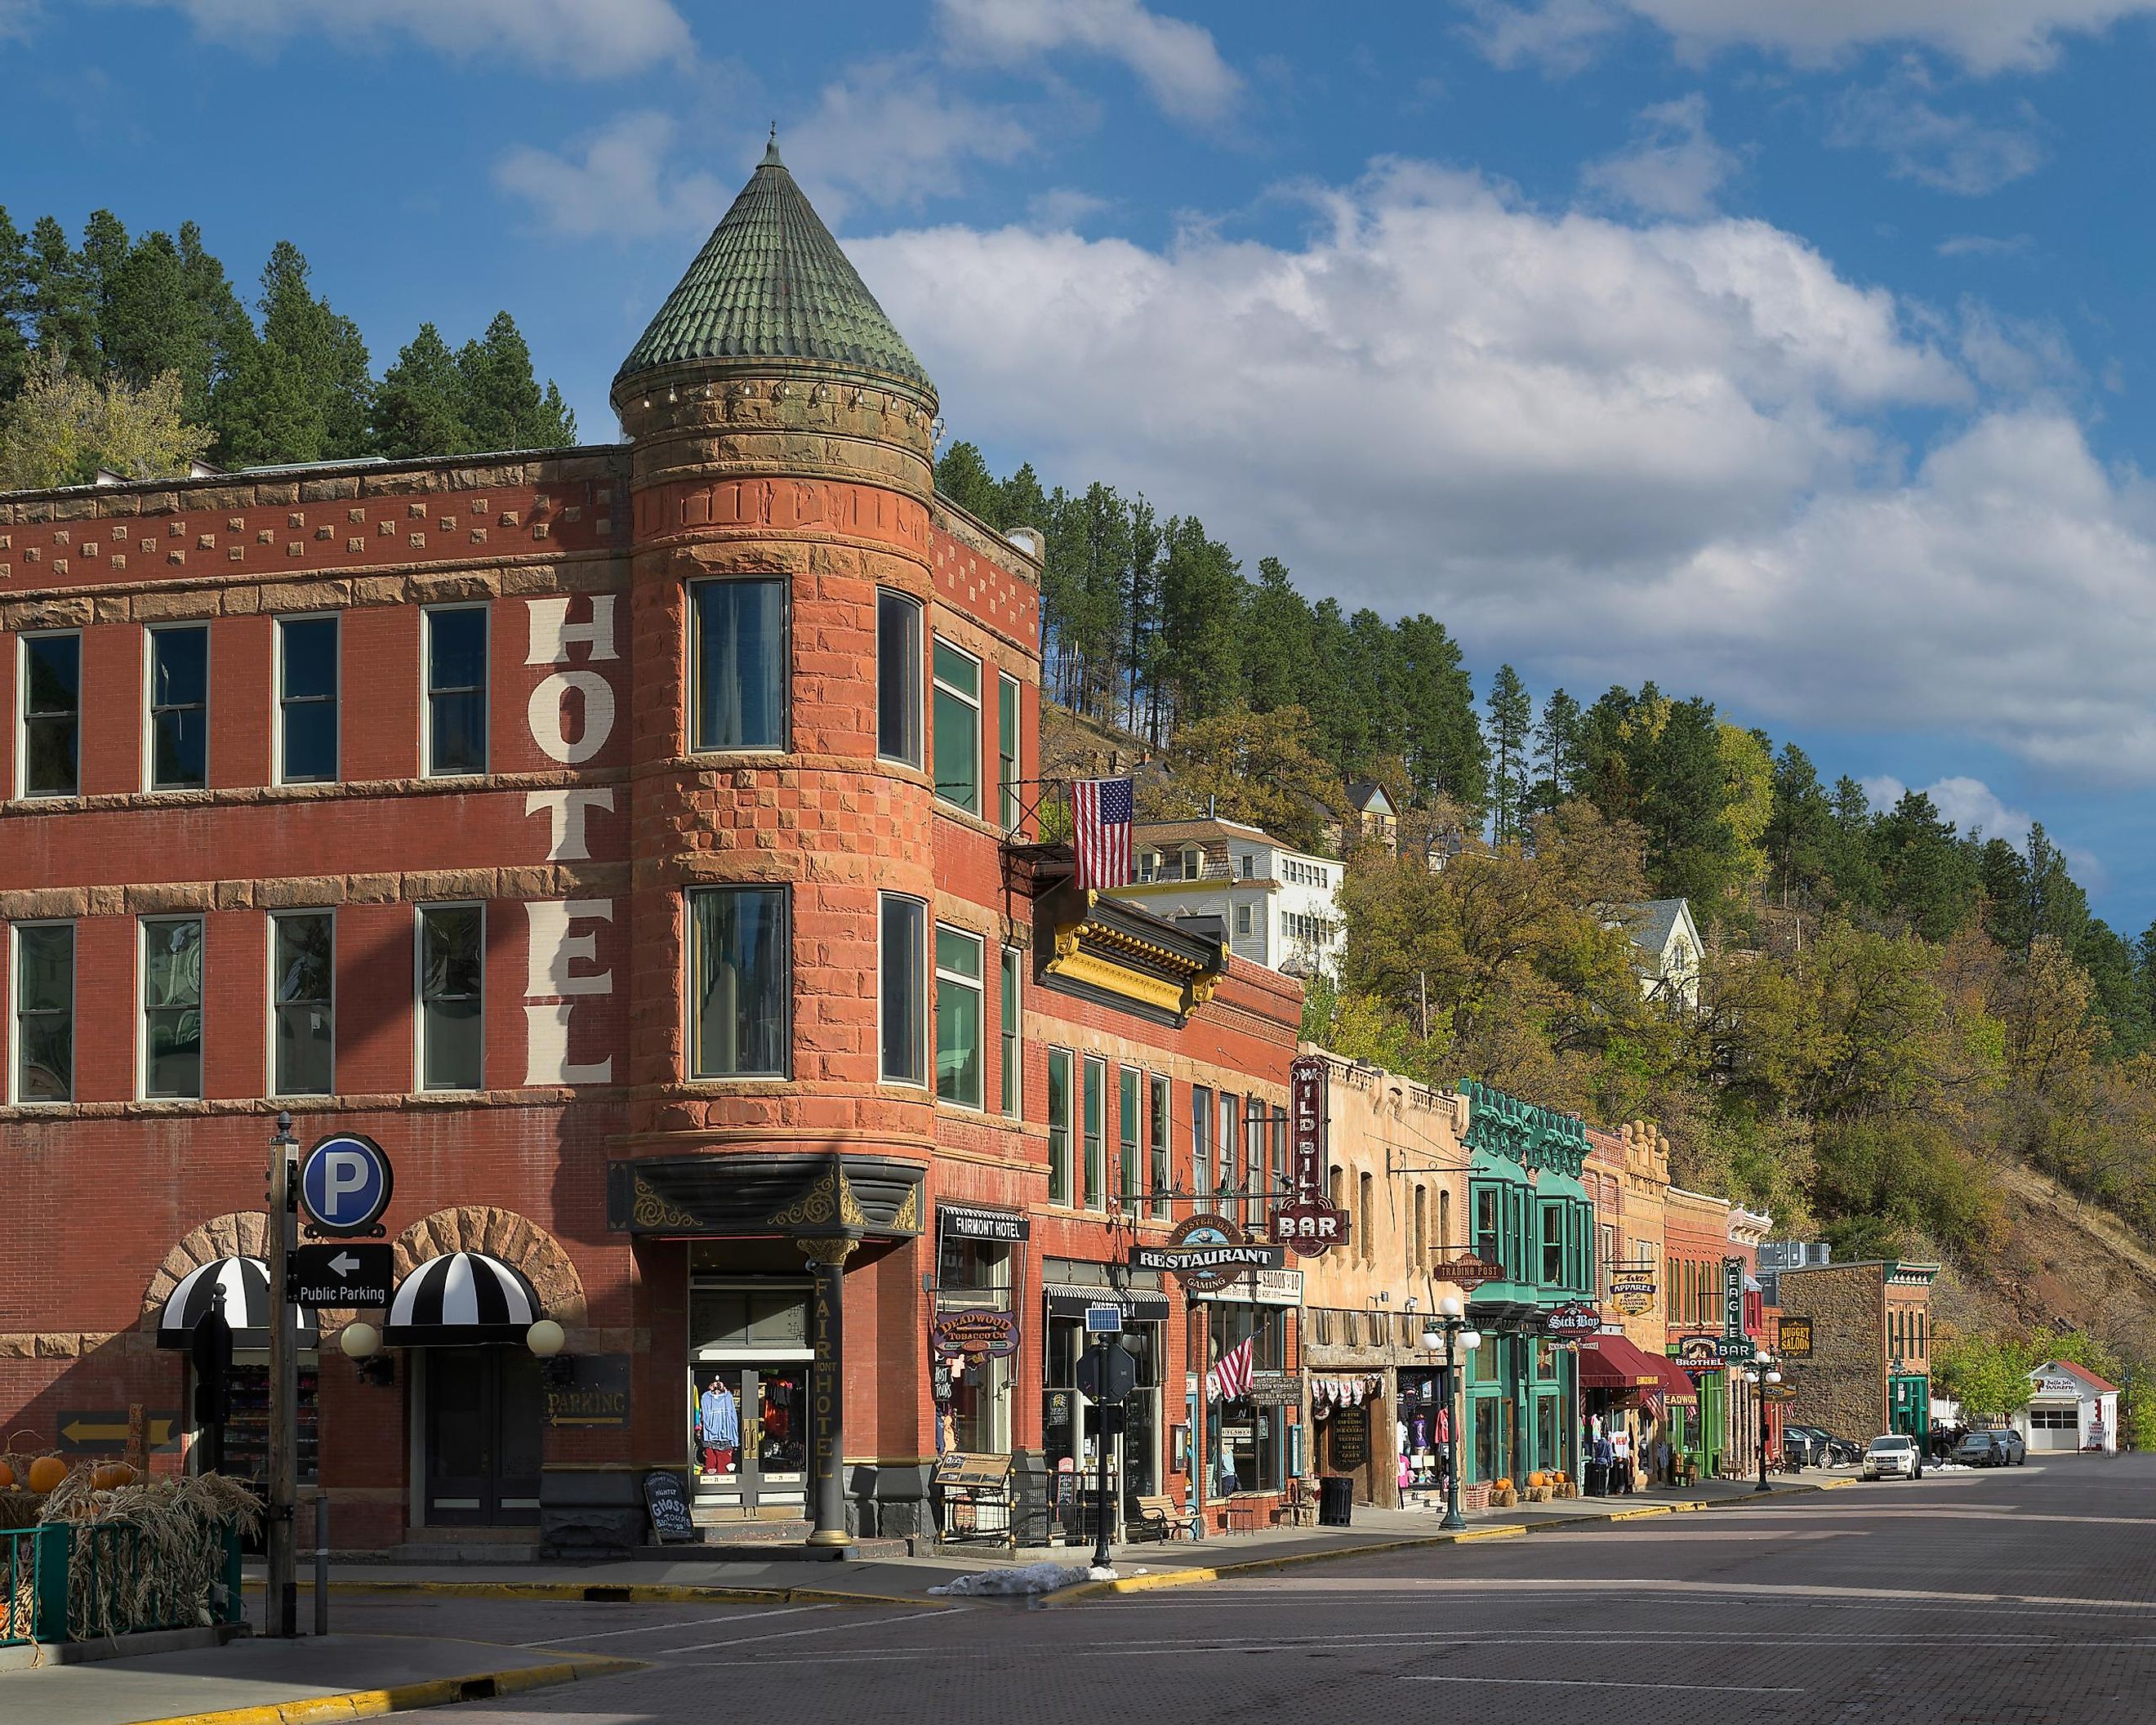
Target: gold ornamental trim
{"points": [[651, 1211], [836, 1250], [830, 1199]]}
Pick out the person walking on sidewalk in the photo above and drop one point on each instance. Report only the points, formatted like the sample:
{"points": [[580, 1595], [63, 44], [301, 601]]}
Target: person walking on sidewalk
{"points": [[1620, 1464]]}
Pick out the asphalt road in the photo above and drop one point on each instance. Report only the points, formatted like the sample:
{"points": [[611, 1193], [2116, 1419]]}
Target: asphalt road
{"points": [[2026, 1595]]}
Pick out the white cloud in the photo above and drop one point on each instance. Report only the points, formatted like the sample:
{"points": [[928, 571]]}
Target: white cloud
{"points": [[1974, 808], [1605, 451], [585, 39], [1065, 207], [1986, 36], [624, 187], [1178, 62], [1984, 245], [888, 132], [1671, 167], [1948, 152], [18, 18]]}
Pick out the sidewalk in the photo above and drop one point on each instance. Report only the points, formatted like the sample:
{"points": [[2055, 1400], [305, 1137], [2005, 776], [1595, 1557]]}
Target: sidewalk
{"points": [[905, 1581], [261, 1682]]}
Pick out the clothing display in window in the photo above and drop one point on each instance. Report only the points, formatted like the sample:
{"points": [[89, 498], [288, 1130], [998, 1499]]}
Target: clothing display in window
{"points": [[718, 1426]]}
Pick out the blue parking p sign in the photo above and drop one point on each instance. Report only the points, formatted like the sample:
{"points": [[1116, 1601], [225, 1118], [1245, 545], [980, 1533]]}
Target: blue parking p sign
{"points": [[344, 1187]]}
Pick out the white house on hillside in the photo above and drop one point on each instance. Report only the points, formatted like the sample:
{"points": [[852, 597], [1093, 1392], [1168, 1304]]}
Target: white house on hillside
{"points": [[1273, 905], [1669, 948]]}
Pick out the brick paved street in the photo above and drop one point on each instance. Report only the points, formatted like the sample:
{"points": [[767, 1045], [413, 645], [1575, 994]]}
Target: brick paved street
{"points": [[2025, 1595]]}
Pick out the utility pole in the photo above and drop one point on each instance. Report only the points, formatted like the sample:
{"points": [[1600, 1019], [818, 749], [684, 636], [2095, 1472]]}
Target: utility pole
{"points": [[281, 1595], [1101, 1557]]}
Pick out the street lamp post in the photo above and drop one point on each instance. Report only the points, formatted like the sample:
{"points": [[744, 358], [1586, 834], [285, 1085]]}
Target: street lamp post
{"points": [[281, 1609], [1448, 1334], [1762, 1371]]}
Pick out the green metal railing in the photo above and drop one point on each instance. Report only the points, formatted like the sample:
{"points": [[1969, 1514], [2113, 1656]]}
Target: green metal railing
{"points": [[61, 1582]]}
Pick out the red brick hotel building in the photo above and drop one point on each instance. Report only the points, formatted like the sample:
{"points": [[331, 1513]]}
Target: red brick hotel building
{"points": [[639, 843]]}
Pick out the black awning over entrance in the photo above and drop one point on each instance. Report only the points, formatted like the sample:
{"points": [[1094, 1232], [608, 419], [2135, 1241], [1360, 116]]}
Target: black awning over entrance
{"points": [[800, 1195]]}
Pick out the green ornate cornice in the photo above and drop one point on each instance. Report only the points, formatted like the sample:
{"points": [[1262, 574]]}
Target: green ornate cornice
{"points": [[1523, 1133]]}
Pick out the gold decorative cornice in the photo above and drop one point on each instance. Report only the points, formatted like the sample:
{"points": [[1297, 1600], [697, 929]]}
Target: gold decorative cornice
{"points": [[652, 1211], [835, 1249], [829, 1199]]}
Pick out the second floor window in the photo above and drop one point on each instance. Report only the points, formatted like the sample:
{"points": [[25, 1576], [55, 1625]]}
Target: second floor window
{"points": [[1096, 1121], [44, 1012], [1014, 1050], [173, 1006], [1130, 1116], [903, 984], [52, 715], [456, 691], [302, 1002], [958, 737], [898, 677], [179, 708], [1201, 1140], [737, 665], [958, 1075], [307, 700], [1554, 1265], [1157, 1149], [452, 997], [1059, 1126], [739, 968]]}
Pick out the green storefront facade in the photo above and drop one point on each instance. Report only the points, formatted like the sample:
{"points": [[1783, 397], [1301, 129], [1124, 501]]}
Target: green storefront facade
{"points": [[1529, 1214]]}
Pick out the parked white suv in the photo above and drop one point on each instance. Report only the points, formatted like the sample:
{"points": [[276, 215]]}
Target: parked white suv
{"points": [[1895, 1457]]}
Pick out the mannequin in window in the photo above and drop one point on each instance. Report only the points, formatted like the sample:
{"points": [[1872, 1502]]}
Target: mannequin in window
{"points": [[718, 1425]]}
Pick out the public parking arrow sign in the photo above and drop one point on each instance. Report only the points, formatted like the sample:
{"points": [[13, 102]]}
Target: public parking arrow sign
{"points": [[343, 1274]]}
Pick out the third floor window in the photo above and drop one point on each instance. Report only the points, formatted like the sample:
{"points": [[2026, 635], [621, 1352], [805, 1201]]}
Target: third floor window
{"points": [[52, 715], [898, 678], [307, 700], [737, 665], [179, 708], [456, 691], [957, 735]]}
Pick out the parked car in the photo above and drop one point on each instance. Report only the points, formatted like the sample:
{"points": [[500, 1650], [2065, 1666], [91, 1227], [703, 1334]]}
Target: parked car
{"points": [[1893, 1455], [1991, 1449], [1804, 1446]]}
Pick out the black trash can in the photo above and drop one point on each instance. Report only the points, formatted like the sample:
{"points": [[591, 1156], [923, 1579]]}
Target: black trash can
{"points": [[1336, 1501], [1598, 1478]]}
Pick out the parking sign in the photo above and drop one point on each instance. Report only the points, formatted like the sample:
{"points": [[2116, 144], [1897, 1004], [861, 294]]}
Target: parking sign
{"points": [[345, 1186]]}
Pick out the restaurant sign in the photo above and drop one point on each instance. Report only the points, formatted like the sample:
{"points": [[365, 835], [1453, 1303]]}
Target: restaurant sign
{"points": [[1309, 1223], [974, 1335], [1206, 1252], [1575, 1319]]}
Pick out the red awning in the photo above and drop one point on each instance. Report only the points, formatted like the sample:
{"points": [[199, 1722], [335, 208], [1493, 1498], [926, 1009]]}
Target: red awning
{"points": [[1676, 1383], [1612, 1362]]}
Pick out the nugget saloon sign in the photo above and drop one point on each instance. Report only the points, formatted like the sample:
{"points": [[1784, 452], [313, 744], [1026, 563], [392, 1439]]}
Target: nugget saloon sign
{"points": [[1206, 1252]]}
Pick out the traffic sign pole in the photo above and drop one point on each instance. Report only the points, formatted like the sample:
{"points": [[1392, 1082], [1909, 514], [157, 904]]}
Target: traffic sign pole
{"points": [[281, 1589]]}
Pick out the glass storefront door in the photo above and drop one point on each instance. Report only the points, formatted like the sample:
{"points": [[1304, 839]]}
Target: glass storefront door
{"points": [[764, 1408]]}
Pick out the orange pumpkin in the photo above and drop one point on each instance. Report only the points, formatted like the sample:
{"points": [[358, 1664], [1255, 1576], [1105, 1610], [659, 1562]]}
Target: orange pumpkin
{"points": [[1505, 1484], [6, 1477], [46, 1472], [108, 1475]]}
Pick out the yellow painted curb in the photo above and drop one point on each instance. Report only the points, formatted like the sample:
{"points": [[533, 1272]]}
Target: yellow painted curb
{"points": [[1078, 1590], [621, 1593], [405, 1698]]}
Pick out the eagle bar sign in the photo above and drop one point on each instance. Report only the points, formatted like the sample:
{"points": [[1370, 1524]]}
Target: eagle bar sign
{"points": [[1309, 1221]]}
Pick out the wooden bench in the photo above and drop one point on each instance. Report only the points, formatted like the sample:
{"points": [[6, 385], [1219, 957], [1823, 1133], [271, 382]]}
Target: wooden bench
{"points": [[1159, 1517]]}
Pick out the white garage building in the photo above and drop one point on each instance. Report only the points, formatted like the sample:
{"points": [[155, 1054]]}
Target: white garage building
{"points": [[2070, 1407]]}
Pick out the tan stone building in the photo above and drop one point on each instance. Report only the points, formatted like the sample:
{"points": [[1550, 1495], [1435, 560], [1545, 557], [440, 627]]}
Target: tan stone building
{"points": [[1856, 1347], [1397, 1165]]}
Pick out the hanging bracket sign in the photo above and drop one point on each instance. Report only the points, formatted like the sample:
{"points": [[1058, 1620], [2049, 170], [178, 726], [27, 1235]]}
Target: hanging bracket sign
{"points": [[974, 1335], [1575, 1319], [1206, 1252], [1467, 1273], [1309, 1223]]}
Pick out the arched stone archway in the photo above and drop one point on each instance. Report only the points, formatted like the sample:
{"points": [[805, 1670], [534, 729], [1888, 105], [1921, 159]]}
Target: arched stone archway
{"points": [[237, 1234], [500, 1234]]}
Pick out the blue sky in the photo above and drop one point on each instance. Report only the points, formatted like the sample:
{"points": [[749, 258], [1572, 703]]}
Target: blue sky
{"points": [[1795, 355]]}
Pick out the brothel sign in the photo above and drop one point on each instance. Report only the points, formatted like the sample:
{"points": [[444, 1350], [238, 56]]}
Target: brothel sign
{"points": [[1308, 1222]]}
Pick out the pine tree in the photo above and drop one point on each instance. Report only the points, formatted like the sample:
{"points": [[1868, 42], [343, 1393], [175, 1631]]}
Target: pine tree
{"points": [[1511, 713], [417, 408], [104, 259], [61, 304], [17, 304], [1443, 747], [1557, 750], [1201, 620], [226, 331], [301, 391], [1800, 829], [1276, 645], [963, 477], [502, 406]]}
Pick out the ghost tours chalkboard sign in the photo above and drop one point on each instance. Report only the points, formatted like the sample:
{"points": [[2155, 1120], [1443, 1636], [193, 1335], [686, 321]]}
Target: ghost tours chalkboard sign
{"points": [[668, 1502]]}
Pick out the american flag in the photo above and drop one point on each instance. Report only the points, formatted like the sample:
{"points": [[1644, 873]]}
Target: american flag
{"points": [[1229, 1380], [1101, 809]]}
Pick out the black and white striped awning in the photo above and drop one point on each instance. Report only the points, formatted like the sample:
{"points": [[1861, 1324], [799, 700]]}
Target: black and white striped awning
{"points": [[462, 1298], [245, 1283]]}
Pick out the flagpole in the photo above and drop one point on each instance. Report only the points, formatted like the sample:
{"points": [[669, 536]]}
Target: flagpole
{"points": [[1197, 1422]]}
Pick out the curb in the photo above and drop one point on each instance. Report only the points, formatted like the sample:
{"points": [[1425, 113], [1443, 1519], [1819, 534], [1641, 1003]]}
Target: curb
{"points": [[1083, 1591], [616, 1593], [405, 1698]]}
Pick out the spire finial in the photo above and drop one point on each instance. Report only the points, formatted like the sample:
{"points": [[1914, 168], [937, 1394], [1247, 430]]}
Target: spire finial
{"points": [[770, 150]]}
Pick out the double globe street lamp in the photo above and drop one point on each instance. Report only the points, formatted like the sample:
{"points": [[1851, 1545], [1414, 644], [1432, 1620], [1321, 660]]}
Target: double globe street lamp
{"points": [[1448, 1334], [1762, 1371]]}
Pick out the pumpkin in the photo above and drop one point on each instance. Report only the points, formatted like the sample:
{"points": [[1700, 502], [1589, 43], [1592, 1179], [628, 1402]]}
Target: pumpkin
{"points": [[6, 1477], [46, 1472], [1535, 1478], [1505, 1484], [108, 1475]]}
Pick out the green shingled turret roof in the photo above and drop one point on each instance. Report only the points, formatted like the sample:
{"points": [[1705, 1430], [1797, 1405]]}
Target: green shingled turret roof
{"points": [[770, 283]]}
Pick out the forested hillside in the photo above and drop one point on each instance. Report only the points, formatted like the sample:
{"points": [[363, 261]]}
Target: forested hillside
{"points": [[1893, 1012], [135, 353]]}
